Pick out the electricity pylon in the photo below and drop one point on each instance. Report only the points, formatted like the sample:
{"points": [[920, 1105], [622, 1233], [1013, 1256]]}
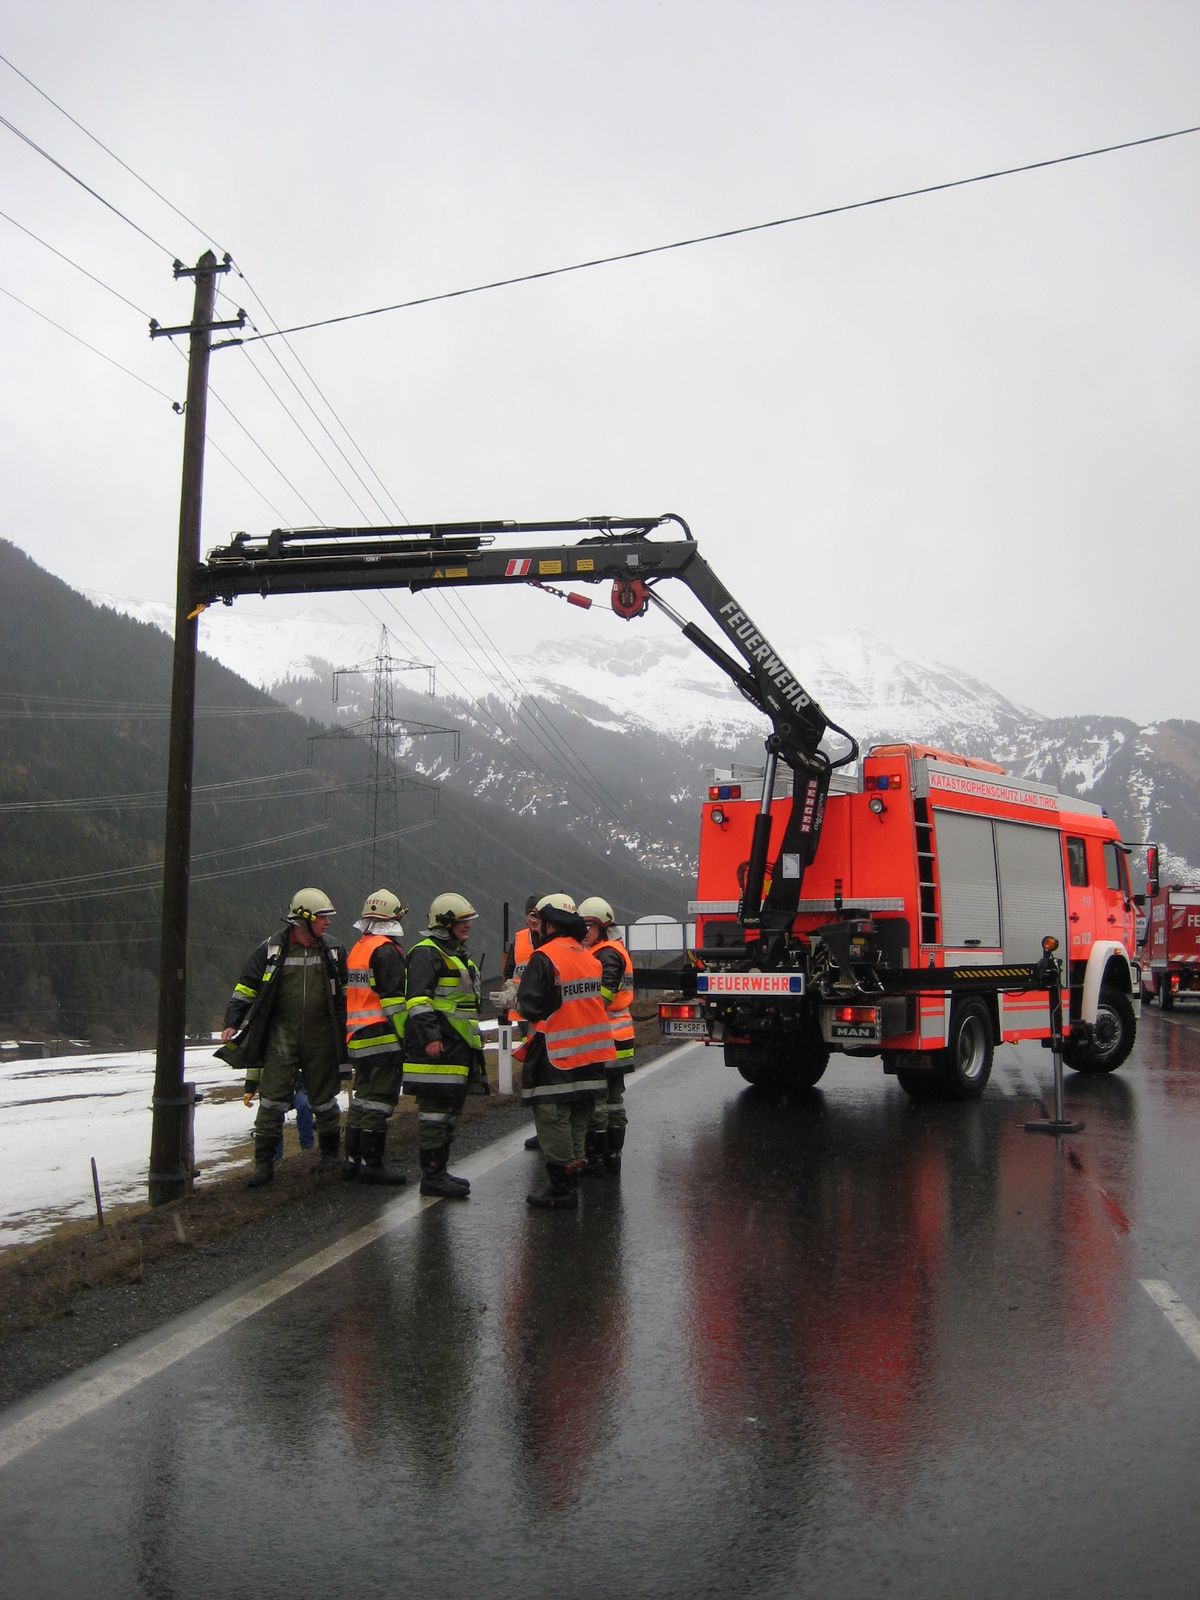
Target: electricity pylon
{"points": [[384, 781]]}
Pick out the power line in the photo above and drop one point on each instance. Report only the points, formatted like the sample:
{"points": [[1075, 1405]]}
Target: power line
{"points": [[156, 866], [95, 194], [46, 245], [725, 233], [229, 872], [175, 404], [133, 174], [204, 793]]}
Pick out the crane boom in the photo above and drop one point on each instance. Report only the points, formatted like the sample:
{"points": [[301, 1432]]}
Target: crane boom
{"points": [[620, 550]]}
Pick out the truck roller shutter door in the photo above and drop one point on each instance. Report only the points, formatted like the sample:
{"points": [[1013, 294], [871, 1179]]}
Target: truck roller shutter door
{"points": [[1032, 895], [967, 875]]}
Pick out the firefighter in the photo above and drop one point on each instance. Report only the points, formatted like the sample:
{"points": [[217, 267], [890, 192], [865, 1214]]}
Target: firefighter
{"points": [[443, 1051], [568, 1048], [606, 1130], [375, 1037], [516, 957], [285, 1026]]}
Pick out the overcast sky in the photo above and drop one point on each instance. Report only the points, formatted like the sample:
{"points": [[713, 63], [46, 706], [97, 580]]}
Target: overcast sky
{"points": [[967, 421]]}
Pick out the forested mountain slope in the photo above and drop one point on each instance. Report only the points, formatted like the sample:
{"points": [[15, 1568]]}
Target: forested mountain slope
{"points": [[84, 695]]}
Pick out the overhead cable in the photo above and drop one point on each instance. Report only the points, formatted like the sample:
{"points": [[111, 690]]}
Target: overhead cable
{"points": [[130, 170], [95, 194], [724, 233], [145, 382]]}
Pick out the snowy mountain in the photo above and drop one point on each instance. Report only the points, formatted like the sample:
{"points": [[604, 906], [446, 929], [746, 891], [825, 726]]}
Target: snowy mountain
{"points": [[552, 725]]}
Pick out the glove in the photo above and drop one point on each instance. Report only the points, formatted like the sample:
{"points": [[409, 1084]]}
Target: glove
{"points": [[247, 1100], [504, 999]]}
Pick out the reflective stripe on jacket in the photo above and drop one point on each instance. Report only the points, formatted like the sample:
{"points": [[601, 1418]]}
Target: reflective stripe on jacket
{"points": [[579, 1033], [619, 1000], [455, 1001], [374, 1021]]}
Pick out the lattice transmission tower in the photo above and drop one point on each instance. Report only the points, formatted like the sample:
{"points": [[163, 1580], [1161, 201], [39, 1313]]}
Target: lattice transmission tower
{"points": [[382, 730]]}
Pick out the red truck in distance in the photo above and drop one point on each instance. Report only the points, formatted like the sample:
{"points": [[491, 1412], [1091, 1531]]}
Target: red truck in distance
{"points": [[1170, 951]]}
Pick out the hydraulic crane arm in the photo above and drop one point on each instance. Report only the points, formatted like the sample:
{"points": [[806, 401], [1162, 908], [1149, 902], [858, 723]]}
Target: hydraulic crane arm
{"points": [[591, 550]]}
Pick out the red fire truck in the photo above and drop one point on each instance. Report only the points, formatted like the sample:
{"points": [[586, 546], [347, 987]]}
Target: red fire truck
{"points": [[898, 913], [934, 883], [1171, 946]]}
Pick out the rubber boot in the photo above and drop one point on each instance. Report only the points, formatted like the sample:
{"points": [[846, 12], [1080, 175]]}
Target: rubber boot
{"points": [[593, 1162], [533, 1142], [352, 1160], [463, 1183], [612, 1153], [327, 1151], [374, 1170], [264, 1164], [558, 1195], [434, 1178]]}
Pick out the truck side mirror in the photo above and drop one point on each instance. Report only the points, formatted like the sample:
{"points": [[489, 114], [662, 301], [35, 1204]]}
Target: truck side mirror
{"points": [[1152, 869]]}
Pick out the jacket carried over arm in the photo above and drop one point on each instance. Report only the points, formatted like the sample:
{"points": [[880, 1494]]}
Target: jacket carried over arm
{"points": [[250, 1005]]}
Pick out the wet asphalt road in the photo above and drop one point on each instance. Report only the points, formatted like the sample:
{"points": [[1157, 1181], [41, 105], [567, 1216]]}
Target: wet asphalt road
{"points": [[836, 1346]]}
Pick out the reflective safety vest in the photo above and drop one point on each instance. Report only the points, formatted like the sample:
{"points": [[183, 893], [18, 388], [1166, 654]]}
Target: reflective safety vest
{"points": [[374, 1022], [619, 1000], [579, 1033], [522, 950], [456, 1000]]}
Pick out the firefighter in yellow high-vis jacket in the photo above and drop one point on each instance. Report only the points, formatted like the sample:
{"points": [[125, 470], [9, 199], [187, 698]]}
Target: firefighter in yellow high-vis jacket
{"points": [[443, 1050]]}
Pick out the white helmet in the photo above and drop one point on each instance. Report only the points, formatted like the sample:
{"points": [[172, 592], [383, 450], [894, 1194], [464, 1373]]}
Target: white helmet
{"points": [[593, 909], [309, 904], [447, 909], [383, 906], [549, 904]]}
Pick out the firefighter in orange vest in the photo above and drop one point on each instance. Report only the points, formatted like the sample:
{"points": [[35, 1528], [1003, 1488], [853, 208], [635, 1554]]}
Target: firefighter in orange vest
{"points": [[375, 1037], [568, 1048], [516, 959], [606, 1129]]}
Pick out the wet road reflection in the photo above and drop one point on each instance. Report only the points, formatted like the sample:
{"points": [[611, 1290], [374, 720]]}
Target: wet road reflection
{"points": [[838, 1344]]}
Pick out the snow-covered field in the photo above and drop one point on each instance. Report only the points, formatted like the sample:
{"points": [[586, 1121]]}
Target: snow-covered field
{"points": [[56, 1114]]}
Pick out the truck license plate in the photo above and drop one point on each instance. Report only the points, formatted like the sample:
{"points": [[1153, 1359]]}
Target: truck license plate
{"points": [[685, 1027]]}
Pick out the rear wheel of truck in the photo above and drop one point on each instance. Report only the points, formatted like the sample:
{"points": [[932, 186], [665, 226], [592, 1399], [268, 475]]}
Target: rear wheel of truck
{"points": [[1166, 995], [776, 1066], [1113, 1036], [963, 1068]]}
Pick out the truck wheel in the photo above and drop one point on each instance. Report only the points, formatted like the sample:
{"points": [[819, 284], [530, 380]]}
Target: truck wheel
{"points": [[774, 1066], [1166, 995], [966, 1062], [1116, 1028]]}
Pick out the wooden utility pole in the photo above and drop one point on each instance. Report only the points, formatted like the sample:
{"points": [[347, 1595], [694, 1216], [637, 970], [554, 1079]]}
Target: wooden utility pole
{"points": [[170, 1143]]}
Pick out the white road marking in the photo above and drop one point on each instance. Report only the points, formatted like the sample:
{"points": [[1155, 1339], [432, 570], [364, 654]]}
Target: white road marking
{"points": [[76, 1398], [1185, 1323]]}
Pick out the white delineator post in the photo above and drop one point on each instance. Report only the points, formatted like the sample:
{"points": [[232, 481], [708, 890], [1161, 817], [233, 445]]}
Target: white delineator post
{"points": [[504, 1059]]}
